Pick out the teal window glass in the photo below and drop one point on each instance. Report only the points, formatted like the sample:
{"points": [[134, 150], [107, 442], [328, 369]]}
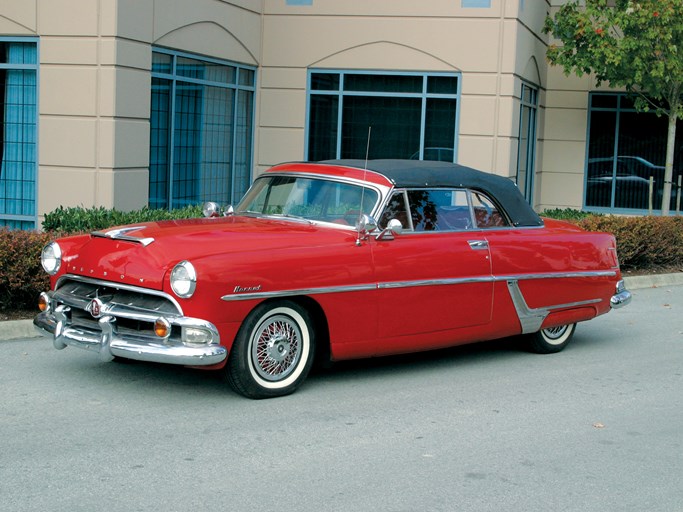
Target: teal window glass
{"points": [[201, 130], [403, 115], [625, 149], [18, 133]]}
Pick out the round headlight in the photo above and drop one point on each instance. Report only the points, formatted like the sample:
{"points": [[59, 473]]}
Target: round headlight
{"points": [[51, 258], [183, 279]]}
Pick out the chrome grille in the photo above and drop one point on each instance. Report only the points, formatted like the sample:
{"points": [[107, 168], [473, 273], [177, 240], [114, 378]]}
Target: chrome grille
{"points": [[135, 309]]}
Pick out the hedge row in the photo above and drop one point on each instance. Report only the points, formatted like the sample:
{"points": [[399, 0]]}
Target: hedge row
{"points": [[642, 242], [79, 220], [22, 277]]}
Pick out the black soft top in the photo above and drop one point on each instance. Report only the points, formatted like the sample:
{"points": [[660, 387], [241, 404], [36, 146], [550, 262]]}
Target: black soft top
{"points": [[429, 174]]}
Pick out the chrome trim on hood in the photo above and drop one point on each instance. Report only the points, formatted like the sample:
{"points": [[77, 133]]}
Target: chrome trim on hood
{"points": [[121, 234]]}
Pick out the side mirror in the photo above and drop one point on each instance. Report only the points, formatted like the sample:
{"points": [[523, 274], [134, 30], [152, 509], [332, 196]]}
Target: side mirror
{"points": [[366, 224], [211, 209], [394, 228]]}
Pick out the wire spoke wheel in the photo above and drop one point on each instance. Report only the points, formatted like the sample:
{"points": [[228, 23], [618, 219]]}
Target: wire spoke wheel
{"points": [[551, 339], [273, 350], [276, 347]]}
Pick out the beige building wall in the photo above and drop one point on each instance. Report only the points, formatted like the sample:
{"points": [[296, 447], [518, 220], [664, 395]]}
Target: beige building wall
{"points": [[494, 49], [95, 80], [95, 84]]}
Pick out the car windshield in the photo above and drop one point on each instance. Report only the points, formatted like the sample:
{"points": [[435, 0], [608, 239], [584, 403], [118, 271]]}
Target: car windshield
{"points": [[313, 199]]}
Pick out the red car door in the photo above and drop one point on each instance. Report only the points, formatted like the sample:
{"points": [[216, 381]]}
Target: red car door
{"points": [[435, 277]]}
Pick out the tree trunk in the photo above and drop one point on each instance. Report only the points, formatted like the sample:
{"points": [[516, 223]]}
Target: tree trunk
{"points": [[669, 168]]}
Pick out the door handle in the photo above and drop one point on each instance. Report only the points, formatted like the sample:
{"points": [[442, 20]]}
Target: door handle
{"points": [[479, 245]]}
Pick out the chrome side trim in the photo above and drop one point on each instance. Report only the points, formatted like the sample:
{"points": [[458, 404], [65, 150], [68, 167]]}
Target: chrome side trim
{"points": [[557, 275], [412, 284], [301, 291], [531, 319], [436, 282], [121, 234]]}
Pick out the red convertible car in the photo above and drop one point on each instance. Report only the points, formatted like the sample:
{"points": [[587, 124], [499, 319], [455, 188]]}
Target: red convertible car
{"points": [[340, 259]]}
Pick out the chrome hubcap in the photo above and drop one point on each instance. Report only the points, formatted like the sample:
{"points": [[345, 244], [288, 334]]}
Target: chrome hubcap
{"points": [[555, 332], [276, 347]]}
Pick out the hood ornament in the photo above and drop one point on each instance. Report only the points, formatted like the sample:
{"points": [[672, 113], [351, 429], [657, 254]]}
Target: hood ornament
{"points": [[95, 308]]}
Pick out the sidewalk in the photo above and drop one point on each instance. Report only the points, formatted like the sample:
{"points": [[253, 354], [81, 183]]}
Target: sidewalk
{"points": [[15, 329]]}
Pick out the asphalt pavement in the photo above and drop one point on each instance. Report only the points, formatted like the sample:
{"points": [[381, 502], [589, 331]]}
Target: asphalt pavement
{"points": [[480, 428]]}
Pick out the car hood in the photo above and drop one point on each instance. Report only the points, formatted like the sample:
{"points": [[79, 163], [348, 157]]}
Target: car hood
{"points": [[141, 255]]}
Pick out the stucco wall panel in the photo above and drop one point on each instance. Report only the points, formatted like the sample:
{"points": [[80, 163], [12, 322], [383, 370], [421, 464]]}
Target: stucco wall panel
{"points": [[18, 17], [284, 78], [124, 92], [68, 90], [562, 190], [281, 145], [208, 39], [565, 124], [60, 186], [68, 50], [393, 8], [232, 33], [124, 143], [477, 115], [476, 152], [287, 41], [383, 55], [480, 83], [563, 156], [568, 99], [68, 141], [68, 17], [121, 52], [125, 189], [131, 19], [283, 108]]}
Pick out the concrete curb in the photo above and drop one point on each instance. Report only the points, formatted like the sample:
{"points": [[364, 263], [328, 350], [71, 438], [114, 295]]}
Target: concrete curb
{"points": [[18, 329]]}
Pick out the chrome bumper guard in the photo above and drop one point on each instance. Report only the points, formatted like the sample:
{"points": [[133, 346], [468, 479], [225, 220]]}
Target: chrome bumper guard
{"points": [[621, 298], [106, 340]]}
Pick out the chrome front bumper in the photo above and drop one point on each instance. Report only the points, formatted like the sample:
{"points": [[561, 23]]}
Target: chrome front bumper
{"points": [[106, 340], [621, 298]]}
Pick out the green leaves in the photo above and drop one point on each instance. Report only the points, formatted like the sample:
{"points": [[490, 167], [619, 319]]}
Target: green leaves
{"points": [[80, 220], [632, 44]]}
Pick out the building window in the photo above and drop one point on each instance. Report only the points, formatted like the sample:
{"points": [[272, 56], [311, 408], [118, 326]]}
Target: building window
{"points": [[526, 155], [481, 4], [625, 149], [201, 130], [18, 132], [411, 115]]}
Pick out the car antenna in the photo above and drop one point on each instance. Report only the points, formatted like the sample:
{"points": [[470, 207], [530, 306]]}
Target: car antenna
{"points": [[362, 190]]}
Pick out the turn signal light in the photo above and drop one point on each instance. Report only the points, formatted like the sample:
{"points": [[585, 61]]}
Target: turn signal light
{"points": [[43, 302], [162, 327]]}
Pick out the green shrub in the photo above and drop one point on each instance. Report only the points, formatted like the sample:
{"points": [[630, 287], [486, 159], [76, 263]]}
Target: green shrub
{"points": [[79, 219], [569, 214], [22, 277], [642, 242]]}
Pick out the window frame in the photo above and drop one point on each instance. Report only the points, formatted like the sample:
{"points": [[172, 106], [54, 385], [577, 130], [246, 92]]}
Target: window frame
{"points": [[33, 218], [469, 193], [618, 109], [529, 150], [235, 86], [341, 93]]}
